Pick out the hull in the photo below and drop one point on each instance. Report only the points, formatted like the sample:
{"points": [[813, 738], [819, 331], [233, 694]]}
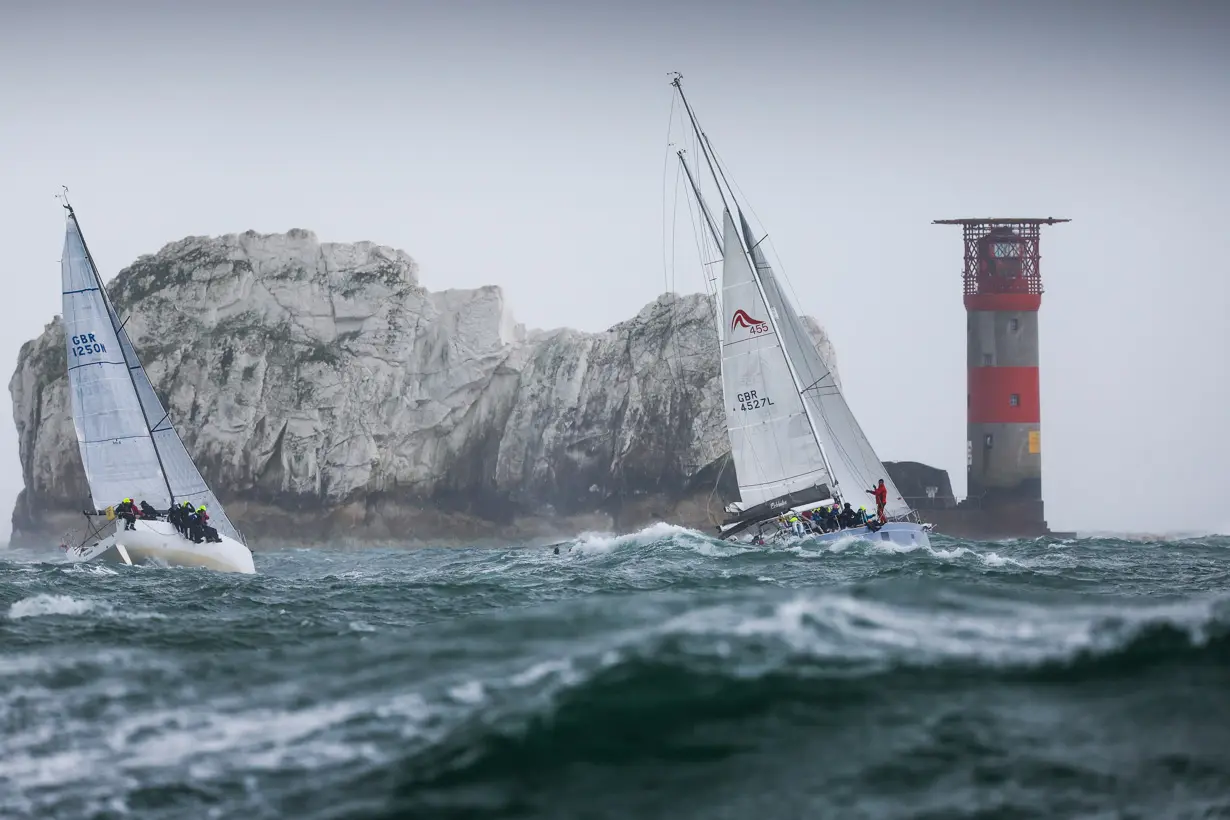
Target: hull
{"points": [[901, 534], [157, 542]]}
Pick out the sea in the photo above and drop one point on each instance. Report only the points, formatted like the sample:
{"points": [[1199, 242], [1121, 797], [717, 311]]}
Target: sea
{"points": [[661, 674]]}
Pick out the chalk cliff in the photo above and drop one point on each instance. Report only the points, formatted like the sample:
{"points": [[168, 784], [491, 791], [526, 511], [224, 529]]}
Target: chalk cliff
{"points": [[326, 394]]}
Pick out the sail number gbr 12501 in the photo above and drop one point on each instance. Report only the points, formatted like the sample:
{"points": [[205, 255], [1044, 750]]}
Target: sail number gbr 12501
{"points": [[750, 401], [85, 345]]}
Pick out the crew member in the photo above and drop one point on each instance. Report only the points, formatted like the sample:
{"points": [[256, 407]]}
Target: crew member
{"points": [[185, 516], [208, 533], [832, 519], [881, 496], [128, 512], [148, 511]]}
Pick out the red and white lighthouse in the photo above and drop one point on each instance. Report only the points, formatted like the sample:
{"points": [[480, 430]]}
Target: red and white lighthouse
{"points": [[1003, 291]]}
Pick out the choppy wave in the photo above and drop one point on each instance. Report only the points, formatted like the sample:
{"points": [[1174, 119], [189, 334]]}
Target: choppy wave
{"points": [[655, 674]]}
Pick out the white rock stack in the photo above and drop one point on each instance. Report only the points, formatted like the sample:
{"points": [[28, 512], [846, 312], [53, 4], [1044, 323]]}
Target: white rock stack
{"points": [[326, 395]]}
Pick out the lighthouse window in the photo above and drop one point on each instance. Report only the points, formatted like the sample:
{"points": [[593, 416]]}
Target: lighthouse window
{"points": [[1015, 400], [986, 358], [1014, 325]]}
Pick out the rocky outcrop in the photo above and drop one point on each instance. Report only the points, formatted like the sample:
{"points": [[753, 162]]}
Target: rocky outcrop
{"points": [[325, 393], [922, 486]]}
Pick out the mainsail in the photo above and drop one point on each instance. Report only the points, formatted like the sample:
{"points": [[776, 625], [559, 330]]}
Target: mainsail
{"points": [[854, 463], [128, 446], [772, 442]]}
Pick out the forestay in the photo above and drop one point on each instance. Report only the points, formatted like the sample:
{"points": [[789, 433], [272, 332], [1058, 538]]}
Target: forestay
{"points": [[771, 440], [150, 461], [854, 463]]}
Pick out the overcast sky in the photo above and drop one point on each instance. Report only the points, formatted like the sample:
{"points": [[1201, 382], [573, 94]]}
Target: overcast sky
{"points": [[523, 145]]}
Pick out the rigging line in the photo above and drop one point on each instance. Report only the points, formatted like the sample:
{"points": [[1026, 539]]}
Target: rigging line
{"points": [[716, 482], [674, 230], [670, 121], [88, 364], [112, 438], [814, 384], [671, 337], [700, 138], [674, 241], [722, 165], [699, 237], [700, 200]]}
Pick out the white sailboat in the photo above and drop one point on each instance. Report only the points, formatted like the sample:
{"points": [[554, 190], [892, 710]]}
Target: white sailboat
{"points": [[129, 448], [795, 444]]}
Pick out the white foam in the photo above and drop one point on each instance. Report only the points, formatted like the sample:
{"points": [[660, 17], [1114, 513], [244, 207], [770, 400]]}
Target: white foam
{"points": [[718, 549], [601, 542], [536, 673], [895, 548], [93, 568], [842, 544], [45, 604], [838, 625], [470, 693]]}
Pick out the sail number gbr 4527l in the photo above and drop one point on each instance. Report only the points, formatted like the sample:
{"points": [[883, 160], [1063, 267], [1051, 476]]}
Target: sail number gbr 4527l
{"points": [[750, 401]]}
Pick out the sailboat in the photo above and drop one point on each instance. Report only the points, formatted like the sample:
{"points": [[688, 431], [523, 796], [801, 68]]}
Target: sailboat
{"points": [[794, 442], [129, 448]]}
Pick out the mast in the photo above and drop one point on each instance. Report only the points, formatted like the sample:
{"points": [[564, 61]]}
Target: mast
{"points": [[718, 180], [700, 135], [118, 329], [704, 209]]}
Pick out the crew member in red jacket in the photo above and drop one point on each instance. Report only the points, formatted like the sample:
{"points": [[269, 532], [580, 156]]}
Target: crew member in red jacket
{"points": [[881, 495]]}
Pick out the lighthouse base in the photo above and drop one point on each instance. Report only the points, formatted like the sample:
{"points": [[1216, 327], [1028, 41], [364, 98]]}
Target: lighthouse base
{"points": [[987, 524], [1017, 513]]}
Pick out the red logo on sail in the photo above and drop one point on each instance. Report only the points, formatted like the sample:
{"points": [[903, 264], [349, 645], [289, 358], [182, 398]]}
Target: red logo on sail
{"points": [[742, 319]]}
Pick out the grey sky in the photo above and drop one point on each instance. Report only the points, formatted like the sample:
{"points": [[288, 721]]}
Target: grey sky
{"points": [[522, 144]]}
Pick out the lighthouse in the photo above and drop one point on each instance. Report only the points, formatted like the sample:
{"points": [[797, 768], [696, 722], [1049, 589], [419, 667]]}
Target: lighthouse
{"points": [[1003, 291]]}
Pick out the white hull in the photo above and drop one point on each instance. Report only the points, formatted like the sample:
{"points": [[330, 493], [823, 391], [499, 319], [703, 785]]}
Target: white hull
{"points": [[157, 542], [902, 534]]}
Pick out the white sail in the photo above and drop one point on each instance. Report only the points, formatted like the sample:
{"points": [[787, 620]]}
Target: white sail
{"points": [[182, 475], [771, 441], [116, 449], [855, 465], [128, 445]]}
